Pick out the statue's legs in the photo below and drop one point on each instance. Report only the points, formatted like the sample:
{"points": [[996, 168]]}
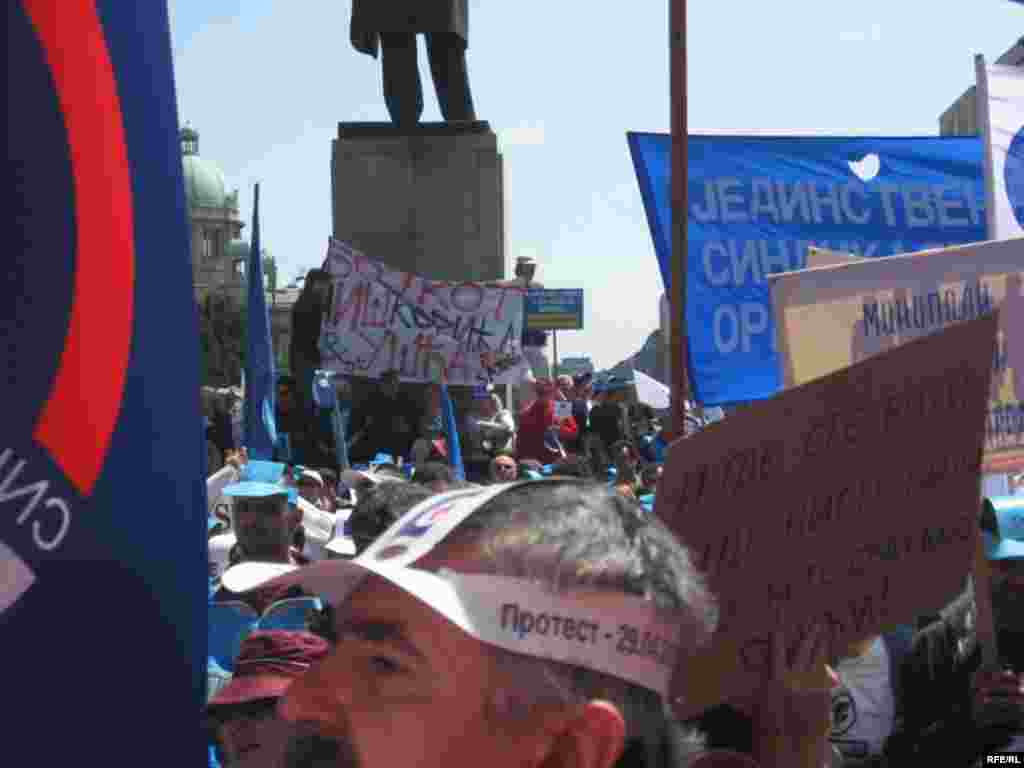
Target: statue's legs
{"points": [[447, 54], [402, 92]]}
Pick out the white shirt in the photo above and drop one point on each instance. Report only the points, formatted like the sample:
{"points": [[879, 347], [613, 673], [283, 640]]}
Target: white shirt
{"points": [[863, 706], [219, 548]]}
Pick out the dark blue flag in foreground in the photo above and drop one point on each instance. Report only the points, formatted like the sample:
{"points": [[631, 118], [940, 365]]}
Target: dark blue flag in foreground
{"points": [[260, 431], [102, 499]]}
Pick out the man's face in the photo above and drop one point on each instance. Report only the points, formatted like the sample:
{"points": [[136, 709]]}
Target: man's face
{"points": [[262, 526], [392, 672], [253, 734], [504, 469]]}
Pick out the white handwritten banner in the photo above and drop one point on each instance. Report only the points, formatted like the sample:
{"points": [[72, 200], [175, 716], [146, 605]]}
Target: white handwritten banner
{"points": [[382, 318]]}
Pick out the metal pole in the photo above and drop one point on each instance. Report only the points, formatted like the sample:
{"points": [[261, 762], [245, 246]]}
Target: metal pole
{"points": [[554, 353], [677, 298]]}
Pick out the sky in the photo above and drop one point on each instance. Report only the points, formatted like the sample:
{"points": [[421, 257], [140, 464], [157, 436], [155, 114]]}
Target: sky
{"points": [[266, 85]]}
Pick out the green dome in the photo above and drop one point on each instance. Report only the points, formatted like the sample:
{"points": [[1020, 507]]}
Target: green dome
{"points": [[237, 249], [204, 183]]}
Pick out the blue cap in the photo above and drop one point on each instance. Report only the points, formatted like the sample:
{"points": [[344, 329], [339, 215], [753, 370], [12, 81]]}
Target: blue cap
{"points": [[263, 472], [1002, 549], [1009, 517], [647, 501], [383, 458], [255, 490], [293, 496], [531, 474], [211, 523], [547, 469]]}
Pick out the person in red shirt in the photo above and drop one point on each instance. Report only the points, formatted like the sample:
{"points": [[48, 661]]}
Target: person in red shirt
{"points": [[539, 427]]}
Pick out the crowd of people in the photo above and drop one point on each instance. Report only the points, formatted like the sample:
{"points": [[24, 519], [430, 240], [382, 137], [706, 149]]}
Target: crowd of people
{"points": [[561, 494]]}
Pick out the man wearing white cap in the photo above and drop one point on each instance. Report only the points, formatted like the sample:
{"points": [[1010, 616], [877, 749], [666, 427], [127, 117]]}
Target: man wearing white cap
{"points": [[533, 624]]}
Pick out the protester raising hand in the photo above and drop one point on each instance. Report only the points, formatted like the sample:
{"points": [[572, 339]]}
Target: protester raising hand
{"points": [[792, 708], [237, 459]]}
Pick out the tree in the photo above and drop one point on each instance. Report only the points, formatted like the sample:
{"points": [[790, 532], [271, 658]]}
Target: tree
{"points": [[222, 336], [269, 272]]}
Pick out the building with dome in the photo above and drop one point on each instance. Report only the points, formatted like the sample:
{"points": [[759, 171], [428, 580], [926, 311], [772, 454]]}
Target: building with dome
{"points": [[219, 252]]}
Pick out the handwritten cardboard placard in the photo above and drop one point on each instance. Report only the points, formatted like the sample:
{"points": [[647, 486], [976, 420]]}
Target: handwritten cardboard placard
{"points": [[848, 503], [829, 318], [382, 319]]}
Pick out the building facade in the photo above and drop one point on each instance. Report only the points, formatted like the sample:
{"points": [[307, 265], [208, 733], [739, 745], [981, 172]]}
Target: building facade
{"points": [[219, 252], [961, 119]]}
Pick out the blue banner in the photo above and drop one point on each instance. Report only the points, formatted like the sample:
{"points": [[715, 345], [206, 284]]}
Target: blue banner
{"points": [[102, 457], [757, 203]]}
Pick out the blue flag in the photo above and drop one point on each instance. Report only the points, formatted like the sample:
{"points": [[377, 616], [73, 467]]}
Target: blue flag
{"points": [[102, 464], [260, 429], [757, 202], [452, 430]]}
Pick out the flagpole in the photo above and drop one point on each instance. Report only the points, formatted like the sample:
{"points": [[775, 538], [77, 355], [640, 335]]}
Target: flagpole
{"points": [[985, 129], [679, 169]]}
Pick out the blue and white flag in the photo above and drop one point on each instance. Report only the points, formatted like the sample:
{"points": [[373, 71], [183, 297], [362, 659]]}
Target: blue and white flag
{"points": [[757, 202], [1001, 112]]}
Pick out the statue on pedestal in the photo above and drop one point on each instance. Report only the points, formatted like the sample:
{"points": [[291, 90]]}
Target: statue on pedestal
{"points": [[392, 25]]}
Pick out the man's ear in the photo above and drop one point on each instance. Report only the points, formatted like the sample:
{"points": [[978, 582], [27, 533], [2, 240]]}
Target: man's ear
{"points": [[595, 738]]}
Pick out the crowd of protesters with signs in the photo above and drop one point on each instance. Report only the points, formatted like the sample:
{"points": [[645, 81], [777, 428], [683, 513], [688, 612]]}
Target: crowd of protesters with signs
{"points": [[399, 674]]}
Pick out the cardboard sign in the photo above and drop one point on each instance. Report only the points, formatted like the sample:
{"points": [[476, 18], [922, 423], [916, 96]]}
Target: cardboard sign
{"points": [[385, 319], [850, 503], [829, 318]]}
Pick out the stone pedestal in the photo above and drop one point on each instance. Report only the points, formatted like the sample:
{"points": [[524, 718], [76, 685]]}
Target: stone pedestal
{"points": [[428, 201]]}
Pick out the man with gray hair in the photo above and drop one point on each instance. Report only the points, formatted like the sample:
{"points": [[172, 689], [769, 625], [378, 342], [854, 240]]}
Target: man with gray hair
{"points": [[527, 624]]}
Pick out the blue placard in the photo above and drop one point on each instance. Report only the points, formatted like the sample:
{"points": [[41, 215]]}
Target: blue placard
{"points": [[102, 454], [757, 203], [549, 309]]}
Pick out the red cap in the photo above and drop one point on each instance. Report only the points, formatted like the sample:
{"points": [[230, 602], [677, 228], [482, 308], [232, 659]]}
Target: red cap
{"points": [[440, 446], [268, 662]]}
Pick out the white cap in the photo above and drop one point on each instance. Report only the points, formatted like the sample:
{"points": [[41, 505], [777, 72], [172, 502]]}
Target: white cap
{"points": [[353, 477], [342, 545], [319, 525], [313, 475], [620, 635]]}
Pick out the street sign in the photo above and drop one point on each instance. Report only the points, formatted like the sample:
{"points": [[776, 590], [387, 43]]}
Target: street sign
{"points": [[554, 309]]}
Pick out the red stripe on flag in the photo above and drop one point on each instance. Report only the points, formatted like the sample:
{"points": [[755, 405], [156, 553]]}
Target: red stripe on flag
{"points": [[78, 420]]}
